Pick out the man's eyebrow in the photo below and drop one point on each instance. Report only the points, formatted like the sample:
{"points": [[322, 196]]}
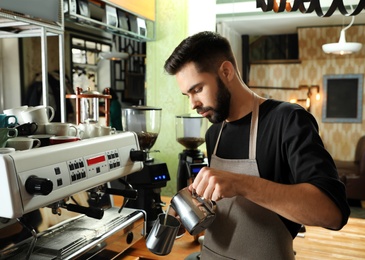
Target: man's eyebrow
{"points": [[193, 87]]}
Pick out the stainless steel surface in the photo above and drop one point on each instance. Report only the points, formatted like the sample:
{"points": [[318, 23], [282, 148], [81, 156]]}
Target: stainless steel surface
{"points": [[163, 234], [72, 239], [196, 213], [78, 236]]}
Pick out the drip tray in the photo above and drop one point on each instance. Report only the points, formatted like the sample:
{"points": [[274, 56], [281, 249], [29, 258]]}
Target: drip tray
{"points": [[70, 239]]}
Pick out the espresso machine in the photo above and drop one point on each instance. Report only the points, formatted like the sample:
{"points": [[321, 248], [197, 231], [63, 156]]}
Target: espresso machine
{"points": [[56, 203], [190, 132], [145, 122]]}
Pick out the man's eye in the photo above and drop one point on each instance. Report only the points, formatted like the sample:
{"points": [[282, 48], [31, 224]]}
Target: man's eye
{"points": [[198, 89]]}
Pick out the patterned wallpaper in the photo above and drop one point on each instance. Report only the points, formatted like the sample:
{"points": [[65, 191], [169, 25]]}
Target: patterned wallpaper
{"points": [[339, 138]]}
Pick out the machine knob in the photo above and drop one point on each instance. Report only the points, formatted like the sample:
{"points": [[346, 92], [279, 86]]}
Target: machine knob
{"points": [[38, 186], [138, 155]]}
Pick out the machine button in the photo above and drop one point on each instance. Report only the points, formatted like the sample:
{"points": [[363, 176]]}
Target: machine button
{"points": [[71, 166], [57, 170], [97, 170], [76, 165], [73, 177], [83, 174], [78, 176], [59, 182], [81, 163]]}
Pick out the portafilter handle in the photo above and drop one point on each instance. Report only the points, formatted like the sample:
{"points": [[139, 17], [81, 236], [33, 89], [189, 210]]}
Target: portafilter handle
{"points": [[91, 212], [129, 193]]}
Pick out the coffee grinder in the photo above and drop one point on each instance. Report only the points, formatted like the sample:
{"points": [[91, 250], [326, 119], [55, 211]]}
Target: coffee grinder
{"points": [[190, 132], [145, 122]]}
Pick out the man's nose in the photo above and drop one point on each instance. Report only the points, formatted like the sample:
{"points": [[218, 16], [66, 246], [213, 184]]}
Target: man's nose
{"points": [[195, 103]]}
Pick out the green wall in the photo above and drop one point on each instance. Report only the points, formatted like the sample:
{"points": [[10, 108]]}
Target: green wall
{"points": [[162, 89]]}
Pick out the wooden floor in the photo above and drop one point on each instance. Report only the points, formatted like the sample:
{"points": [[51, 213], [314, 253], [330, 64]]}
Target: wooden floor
{"points": [[317, 244], [320, 243]]}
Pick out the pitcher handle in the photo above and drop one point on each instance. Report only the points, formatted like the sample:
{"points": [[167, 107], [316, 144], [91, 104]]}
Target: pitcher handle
{"points": [[203, 201]]}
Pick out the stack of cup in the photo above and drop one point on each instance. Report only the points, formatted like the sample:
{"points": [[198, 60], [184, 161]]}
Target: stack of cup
{"points": [[6, 130], [41, 115], [6, 134]]}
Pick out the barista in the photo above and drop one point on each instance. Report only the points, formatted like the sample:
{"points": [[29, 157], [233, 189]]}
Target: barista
{"points": [[269, 171]]}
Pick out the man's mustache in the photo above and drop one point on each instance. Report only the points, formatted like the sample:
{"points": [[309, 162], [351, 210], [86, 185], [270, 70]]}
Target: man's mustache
{"points": [[203, 109]]}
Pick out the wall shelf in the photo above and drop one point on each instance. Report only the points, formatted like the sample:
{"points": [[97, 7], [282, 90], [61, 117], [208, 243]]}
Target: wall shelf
{"points": [[94, 13], [15, 23]]}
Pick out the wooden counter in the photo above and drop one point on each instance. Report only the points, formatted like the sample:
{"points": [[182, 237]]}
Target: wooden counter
{"points": [[317, 244]]}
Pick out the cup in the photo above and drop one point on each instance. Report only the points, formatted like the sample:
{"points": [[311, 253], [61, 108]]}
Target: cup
{"points": [[163, 234], [16, 111], [63, 139], [38, 114], [44, 138], [41, 130], [89, 130], [27, 129], [8, 120], [23, 143], [5, 150], [6, 134], [107, 130], [61, 129]]}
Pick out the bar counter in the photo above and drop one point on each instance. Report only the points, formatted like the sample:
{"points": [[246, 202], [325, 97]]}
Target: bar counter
{"points": [[315, 244]]}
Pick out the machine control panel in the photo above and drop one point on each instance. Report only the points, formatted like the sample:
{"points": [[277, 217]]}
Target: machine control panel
{"points": [[41, 176]]}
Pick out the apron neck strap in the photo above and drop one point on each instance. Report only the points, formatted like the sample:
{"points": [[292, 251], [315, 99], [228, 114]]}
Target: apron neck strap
{"points": [[253, 129]]}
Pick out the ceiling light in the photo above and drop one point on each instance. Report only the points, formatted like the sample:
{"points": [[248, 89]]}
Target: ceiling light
{"points": [[342, 47], [308, 6]]}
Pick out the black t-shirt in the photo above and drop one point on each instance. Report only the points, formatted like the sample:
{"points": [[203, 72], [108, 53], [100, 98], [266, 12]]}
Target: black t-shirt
{"points": [[289, 150]]}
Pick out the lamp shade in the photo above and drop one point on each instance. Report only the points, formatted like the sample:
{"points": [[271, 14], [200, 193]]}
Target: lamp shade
{"points": [[342, 47]]}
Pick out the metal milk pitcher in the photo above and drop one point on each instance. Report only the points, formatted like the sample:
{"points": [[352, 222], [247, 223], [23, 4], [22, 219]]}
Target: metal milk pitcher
{"points": [[163, 234], [195, 212]]}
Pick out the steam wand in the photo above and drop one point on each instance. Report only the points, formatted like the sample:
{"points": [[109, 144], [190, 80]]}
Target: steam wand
{"points": [[33, 233]]}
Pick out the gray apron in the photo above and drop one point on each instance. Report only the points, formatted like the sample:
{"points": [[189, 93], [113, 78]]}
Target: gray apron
{"points": [[243, 229]]}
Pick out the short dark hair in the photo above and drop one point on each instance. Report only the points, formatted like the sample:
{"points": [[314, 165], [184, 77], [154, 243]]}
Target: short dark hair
{"points": [[207, 50]]}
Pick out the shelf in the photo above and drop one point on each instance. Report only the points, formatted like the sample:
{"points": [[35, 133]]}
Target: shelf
{"points": [[94, 24], [44, 19], [17, 25]]}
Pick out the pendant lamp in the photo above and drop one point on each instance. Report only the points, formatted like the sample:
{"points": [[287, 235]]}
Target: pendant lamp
{"points": [[342, 47]]}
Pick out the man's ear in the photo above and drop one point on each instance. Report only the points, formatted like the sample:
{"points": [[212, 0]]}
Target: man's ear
{"points": [[227, 71]]}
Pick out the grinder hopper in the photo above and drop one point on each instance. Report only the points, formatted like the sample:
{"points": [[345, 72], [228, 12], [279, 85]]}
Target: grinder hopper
{"points": [[145, 122]]}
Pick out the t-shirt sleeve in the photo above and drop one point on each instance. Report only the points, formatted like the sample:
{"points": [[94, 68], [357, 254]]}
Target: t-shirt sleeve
{"points": [[310, 162]]}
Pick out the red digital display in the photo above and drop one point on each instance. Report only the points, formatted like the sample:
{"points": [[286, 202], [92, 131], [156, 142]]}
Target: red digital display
{"points": [[95, 160]]}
